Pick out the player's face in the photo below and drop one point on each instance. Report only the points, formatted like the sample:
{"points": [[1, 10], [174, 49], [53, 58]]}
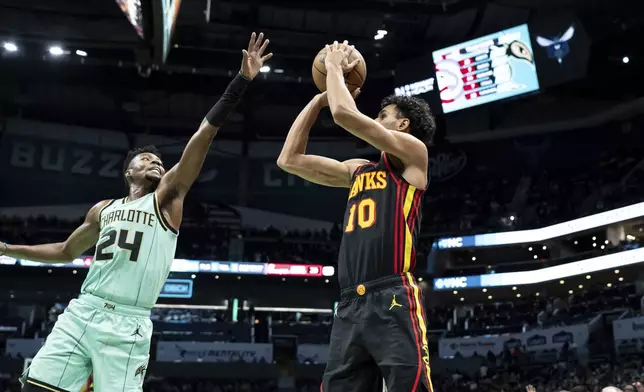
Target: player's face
{"points": [[389, 118], [147, 167]]}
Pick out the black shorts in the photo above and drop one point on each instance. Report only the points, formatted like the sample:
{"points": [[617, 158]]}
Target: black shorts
{"points": [[379, 333]]}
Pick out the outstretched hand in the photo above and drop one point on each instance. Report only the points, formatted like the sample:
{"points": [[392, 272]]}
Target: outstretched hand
{"points": [[338, 55], [254, 57]]}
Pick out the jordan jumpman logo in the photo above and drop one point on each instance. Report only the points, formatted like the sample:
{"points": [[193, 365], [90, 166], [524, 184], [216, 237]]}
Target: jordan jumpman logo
{"points": [[394, 303]]}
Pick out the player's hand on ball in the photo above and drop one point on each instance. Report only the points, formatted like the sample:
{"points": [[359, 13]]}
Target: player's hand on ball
{"points": [[338, 55], [254, 57], [323, 99]]}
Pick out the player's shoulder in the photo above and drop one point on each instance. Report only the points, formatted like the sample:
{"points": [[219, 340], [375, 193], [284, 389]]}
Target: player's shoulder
{"points": [[97, 208], [102, 204]]}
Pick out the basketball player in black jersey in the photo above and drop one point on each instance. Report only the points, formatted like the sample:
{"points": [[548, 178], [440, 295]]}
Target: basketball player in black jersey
{"points": [[379, 330]]}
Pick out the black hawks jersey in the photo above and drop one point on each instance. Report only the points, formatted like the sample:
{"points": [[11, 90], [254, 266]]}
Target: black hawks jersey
{"points": [[381, 225]]}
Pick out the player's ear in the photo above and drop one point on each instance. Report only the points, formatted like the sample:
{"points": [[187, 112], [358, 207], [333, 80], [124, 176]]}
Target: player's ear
{"points": [[403, 125]]}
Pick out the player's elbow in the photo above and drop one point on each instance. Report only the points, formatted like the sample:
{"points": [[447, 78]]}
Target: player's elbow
{"points": [[66, 253], [282, 162], [286, 163]]}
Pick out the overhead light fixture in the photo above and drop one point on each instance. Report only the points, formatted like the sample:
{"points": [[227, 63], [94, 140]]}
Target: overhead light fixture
{"points": [[278, 71], [462, 299], [587, 276], [609, 285], [473, 258], [594, 238], [56, 51], [562, 281], [514, 288], [380, 34], [621, 279], [420, 279], [485, 290], [617, 271], [535, 257], [625, 60], [455, 292], [489, 297], [530, 249], [576, 242], [544, 247], [10, 47], [570, 291], [81, 53], [265, 69], [518, 295]]}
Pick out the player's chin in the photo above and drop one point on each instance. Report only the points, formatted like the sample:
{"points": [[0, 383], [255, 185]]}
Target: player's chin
{"points": [[153, 177]]}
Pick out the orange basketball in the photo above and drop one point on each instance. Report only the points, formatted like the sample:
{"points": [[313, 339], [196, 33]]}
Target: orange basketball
{"points": [[353, 79]]}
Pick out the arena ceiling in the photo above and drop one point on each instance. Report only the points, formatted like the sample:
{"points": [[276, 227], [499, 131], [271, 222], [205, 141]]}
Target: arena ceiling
{"points": [[210, 34]]}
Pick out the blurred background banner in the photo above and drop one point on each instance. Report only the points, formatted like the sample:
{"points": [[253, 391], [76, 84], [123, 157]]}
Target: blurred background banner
{"points": [[214, 352], [575, 336]]}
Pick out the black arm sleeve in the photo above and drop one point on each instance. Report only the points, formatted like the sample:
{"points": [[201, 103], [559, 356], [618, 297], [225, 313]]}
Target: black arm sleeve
{"points": [[217, 115]]}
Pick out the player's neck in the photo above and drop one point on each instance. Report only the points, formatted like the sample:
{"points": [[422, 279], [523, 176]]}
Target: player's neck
{"points": [[137, 192]]}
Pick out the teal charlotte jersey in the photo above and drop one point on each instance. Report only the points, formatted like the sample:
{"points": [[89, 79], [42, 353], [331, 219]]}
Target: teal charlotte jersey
{"points": [[134, 253]]}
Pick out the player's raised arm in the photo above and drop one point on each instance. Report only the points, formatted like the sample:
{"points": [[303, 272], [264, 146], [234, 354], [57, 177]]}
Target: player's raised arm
{"points": [[320, 170], [407, 148], [180, 178], [83, 238]]}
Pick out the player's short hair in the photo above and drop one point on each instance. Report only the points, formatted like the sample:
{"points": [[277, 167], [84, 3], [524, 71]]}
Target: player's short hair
{"points": [[422, 123], [133, 153]]}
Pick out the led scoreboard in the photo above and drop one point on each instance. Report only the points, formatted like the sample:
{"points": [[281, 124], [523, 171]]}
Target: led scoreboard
{"points": [[486, 69]]}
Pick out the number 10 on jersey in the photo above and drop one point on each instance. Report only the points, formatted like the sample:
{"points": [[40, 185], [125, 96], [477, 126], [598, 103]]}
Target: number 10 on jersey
{"points": [[366, 215]]}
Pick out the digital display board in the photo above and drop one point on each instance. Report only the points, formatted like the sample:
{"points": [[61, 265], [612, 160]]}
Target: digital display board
{"points": [[579, 225], [177, 288], [207, 266], [561, 48], [134, 13], [586, 266], [486, 69]]}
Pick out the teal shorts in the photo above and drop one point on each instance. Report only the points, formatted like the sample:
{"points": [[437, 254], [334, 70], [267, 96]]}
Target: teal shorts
{"points": [[93, 334]]}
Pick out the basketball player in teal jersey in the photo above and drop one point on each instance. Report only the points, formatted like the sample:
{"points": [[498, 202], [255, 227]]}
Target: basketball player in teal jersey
{"points": [[108, 328]]}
